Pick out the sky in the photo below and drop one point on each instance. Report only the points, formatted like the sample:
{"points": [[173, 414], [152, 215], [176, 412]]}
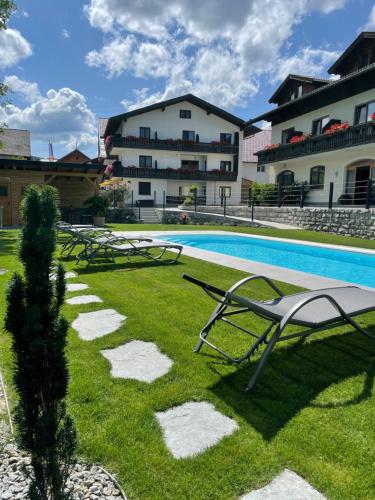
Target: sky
{"points": [[69, 62]]}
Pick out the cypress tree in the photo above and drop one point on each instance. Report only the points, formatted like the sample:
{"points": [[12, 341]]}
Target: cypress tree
{"points": [[34, 301]]}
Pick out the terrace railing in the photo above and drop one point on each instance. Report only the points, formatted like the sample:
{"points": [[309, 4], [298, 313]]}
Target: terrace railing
{"points": [[353, 136], [171, 144], [172, 173]]}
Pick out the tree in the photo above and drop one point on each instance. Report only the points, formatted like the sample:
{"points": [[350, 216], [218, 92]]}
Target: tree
{"points": [[39, 332]]}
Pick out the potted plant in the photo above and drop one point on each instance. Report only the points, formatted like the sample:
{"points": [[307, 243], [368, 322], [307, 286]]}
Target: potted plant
{"points": [[98, 206]]}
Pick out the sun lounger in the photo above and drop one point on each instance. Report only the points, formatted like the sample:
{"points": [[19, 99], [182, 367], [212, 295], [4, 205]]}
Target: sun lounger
{"points": [[314, 311], [110, 246]]}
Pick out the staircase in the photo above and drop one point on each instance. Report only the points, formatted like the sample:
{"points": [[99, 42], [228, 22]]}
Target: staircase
{"points": [[149, 215]]}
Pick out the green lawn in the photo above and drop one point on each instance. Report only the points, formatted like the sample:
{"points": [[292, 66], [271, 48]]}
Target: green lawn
{"points": [[313, 410]]}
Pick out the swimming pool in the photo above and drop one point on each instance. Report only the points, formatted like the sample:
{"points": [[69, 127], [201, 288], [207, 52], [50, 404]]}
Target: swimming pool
{"points": [[339, 264]]}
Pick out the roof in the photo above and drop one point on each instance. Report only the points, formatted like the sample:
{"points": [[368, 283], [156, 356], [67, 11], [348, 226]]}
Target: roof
{"points": [[298, 78], [75, 151], [49, 165], [115, 121], [336, 90], [255, 143], [365, 34]]}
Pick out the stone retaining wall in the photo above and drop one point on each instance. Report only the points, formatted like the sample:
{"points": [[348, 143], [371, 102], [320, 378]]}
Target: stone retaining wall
{"points": [[174, 217], [357, 222]]}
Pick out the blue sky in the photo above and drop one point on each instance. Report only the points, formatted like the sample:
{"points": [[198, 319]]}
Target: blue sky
{"points": [[70, 62]]}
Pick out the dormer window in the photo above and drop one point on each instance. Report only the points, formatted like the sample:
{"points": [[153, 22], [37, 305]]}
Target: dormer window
{"points": [[185, 113], [297, 92]]}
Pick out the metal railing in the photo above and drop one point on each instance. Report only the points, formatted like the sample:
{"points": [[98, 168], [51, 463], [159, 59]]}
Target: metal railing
{"points": [[171, 144], [353, 136], [172, 173]]}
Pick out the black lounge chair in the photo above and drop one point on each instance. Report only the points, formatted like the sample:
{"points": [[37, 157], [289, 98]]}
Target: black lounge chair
{"points": [[315, 311]]}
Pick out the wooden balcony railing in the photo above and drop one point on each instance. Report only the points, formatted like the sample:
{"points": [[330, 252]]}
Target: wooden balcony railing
{"points": [[173, 145], [171, 173], [353, 136]]}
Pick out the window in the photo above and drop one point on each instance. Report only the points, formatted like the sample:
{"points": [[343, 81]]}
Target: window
{"points": [[188, 135], [285, 178], [144, 188], [319, 124], [261, 168], [145, 132], [299, 90], [226, 138], [226, 166], [286, 135], [3, 191], [364, 112], [145, 161], [185, 113], [317, 177], [225, 191]]}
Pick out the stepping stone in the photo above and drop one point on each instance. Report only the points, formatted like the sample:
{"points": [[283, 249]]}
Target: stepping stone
{"points": [[92, 325], [2, 271], [70, 274], [191, 428], [138, 360], [286, 486], [75, 287], [83, 299]]}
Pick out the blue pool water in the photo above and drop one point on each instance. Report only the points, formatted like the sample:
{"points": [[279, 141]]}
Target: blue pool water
{"points": [[354, 267]]}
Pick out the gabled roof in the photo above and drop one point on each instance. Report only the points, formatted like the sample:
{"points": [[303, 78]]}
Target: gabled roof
{"points": [[334, 69], [115, 121], [319, 82], [76, 152], [336, 90]]}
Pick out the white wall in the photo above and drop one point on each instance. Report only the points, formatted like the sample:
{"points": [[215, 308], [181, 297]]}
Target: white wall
{"points": [[336, 163], [168, 123], [250, 172], [342, 110]]}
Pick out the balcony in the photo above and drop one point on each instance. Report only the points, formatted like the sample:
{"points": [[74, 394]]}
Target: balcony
{"points": [[174, 174], [356, 135], [170, 144]]}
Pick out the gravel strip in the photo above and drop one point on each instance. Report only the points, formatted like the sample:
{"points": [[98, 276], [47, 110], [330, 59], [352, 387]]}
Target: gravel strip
{"points": [[85, 482]]}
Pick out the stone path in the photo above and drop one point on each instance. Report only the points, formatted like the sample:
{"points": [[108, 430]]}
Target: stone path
{"points": [[286, 486], [191, 428], [83, 299], [76, 287], [95, 324], [138, 360]]}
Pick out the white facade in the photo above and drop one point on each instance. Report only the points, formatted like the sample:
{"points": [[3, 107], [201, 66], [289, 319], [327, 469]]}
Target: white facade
{"points": [[165, 123], [345, 167]]}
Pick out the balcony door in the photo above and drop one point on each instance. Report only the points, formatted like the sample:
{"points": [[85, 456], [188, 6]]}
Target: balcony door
{"points": [[190, 164]]}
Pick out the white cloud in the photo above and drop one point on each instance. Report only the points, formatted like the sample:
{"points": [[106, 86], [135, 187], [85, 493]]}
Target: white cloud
{"points": [[13, 48], [114, 57], [216, 50], [29, 91], [370, 25], [308, 62], [61, 116], [65, 33]]}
